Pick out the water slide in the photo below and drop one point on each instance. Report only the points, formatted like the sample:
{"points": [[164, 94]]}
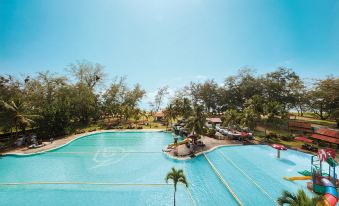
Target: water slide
{"points": [[331, 194], [298, 178]]}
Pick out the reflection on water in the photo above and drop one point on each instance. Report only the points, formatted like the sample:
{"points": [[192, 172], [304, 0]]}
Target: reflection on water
{"points": [[286, 161]]}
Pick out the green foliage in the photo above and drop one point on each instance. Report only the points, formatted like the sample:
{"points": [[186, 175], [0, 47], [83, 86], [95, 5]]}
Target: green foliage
{"points": [[170, 113], [211, 132], [298, 199], [13, 115], [121, 101], [59, 105], [231, 118], [196, 123], [324, 98]]}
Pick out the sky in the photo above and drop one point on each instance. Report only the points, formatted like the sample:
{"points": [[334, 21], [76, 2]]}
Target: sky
{"points": [[170, 42]]}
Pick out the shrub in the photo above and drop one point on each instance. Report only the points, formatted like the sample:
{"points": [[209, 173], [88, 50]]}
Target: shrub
{"points": [[286, 138], [211, 132], [270, 136]]}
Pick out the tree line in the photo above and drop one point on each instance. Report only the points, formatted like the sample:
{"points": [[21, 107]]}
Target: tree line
{"points": [[245, 98], [56, 104]]}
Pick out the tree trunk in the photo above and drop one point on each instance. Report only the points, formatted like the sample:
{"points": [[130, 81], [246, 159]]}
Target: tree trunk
{"points": [[321, 113], [301, 111], [174, 197], [16, 131]]}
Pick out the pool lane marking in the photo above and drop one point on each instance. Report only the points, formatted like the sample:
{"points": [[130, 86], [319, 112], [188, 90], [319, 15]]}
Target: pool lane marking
{"points": [[96, 183], [223, 181], [248, 177], [190, 194], [84, 183]]}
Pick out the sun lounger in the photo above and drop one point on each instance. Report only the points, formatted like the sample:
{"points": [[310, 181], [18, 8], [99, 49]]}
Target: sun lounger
{"points": [[34, 146]]}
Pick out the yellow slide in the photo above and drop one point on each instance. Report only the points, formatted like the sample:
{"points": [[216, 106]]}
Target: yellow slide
{"points": [[298, 178]]}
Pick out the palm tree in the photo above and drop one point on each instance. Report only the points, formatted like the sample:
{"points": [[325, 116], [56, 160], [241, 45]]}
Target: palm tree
{"points": [[248, 118], [170, 114], [298, 199], [231, 118], [186, 108], [177, 176], [196, 123], [12, 113]]}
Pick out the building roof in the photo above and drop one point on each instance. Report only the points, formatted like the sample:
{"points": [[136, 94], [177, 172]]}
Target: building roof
{"points": [[325, 138], [302, 126], [159, 114], [328, 132], [327, 135], [214, 120]]}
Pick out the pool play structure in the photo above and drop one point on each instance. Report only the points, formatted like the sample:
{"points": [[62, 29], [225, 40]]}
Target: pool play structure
{"points": [[128, 168], [323, 176], [278, 147]]}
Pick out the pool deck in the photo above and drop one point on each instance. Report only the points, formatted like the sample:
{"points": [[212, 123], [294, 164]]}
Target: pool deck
{"points": [[63, 141]]}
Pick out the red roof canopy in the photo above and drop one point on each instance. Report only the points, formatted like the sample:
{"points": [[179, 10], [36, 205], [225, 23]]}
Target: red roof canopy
{"points": [[304, 125], [327, 135], [304, 139], [325, 138], [328, 132]]}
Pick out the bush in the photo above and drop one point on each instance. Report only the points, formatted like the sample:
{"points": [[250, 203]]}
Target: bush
{"points": [[286, 138], [211, 132], [271, 136]]}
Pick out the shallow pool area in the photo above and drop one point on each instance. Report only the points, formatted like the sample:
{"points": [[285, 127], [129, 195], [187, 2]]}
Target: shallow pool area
{"points": [[128, 168]]}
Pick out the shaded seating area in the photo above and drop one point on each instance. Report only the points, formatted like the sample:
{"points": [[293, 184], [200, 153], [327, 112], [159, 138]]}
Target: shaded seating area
{"points": [[329, 136], [307, 143], [303, 127]]}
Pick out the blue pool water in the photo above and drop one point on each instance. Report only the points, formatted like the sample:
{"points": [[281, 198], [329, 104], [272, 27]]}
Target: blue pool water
{"points": [[128, 168]]}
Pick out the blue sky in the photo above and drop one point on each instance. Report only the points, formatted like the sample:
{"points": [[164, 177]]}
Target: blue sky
{"points": [[172, 42]]}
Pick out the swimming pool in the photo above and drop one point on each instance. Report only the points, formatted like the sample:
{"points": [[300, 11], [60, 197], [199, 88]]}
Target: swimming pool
{"points": [[128, 168]]}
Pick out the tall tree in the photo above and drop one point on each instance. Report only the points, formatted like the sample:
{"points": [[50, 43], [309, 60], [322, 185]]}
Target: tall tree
{"points": [[231, 118], [87, 73], [177, 176], [159, 98], [324, 98], [196, 122], [205, 93], [170, 114], [14, 114], [277, 86]]}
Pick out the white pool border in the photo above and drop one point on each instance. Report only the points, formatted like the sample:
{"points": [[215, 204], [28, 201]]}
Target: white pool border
{"points": [[81, 136]]}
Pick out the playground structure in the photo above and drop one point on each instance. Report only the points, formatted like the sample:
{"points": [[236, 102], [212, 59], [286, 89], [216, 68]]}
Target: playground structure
{"points": [[323, 176]]}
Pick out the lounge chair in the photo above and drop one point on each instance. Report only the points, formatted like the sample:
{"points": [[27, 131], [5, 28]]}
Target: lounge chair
{"points": [[34, 146]]}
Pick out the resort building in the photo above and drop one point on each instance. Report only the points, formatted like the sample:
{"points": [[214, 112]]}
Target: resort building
{"points": [[213, 122], [159, 116]]}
